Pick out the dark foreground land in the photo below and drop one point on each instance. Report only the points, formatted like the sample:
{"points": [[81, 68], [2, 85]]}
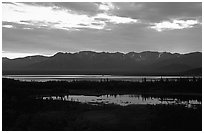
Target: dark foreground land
{"points": [[21, 111]]}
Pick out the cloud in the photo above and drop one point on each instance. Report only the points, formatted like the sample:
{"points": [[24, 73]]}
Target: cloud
{"points": [[125, 38], [106, 6], [8, 26], [158, 11], [115, 19], [174, 24], [47, 28], [55, 17], [89, 8], [28, 28]]}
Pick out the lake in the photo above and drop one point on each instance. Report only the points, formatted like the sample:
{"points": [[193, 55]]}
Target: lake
{"points": [[44, 78], [123, 100]]}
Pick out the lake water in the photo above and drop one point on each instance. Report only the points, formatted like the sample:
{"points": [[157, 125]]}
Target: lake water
{"points": [[123, 100], [43, 78]]}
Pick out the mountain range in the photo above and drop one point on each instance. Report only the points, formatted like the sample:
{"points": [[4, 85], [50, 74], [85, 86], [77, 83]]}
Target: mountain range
{"points": [[90, 62]]}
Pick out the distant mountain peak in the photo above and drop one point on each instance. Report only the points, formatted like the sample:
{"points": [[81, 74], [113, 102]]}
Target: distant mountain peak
{"points": [[87, 52], [5, 58], [121, 53], [105, 62]]}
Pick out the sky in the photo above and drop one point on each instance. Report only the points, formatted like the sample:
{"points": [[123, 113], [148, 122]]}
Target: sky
{"points": [[47, 28]]}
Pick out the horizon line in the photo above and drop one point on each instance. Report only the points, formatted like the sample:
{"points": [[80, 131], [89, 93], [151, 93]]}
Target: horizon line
{"points": [[37, 54]]}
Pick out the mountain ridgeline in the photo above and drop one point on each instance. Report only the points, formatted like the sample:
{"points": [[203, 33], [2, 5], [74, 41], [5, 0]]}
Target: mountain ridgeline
{"points": [[89, 62]]}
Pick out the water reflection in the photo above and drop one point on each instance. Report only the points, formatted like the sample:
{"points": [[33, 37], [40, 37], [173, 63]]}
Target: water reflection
{"points": [[124, 100]]}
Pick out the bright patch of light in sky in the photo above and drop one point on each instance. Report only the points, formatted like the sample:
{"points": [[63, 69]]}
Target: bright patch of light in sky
{"points": [[116, 19], [7, 26], [58, 18], [106, 6], [174, 24]]}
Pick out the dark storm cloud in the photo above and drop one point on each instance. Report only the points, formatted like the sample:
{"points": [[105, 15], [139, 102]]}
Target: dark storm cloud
{"points": [[155, 12]]}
